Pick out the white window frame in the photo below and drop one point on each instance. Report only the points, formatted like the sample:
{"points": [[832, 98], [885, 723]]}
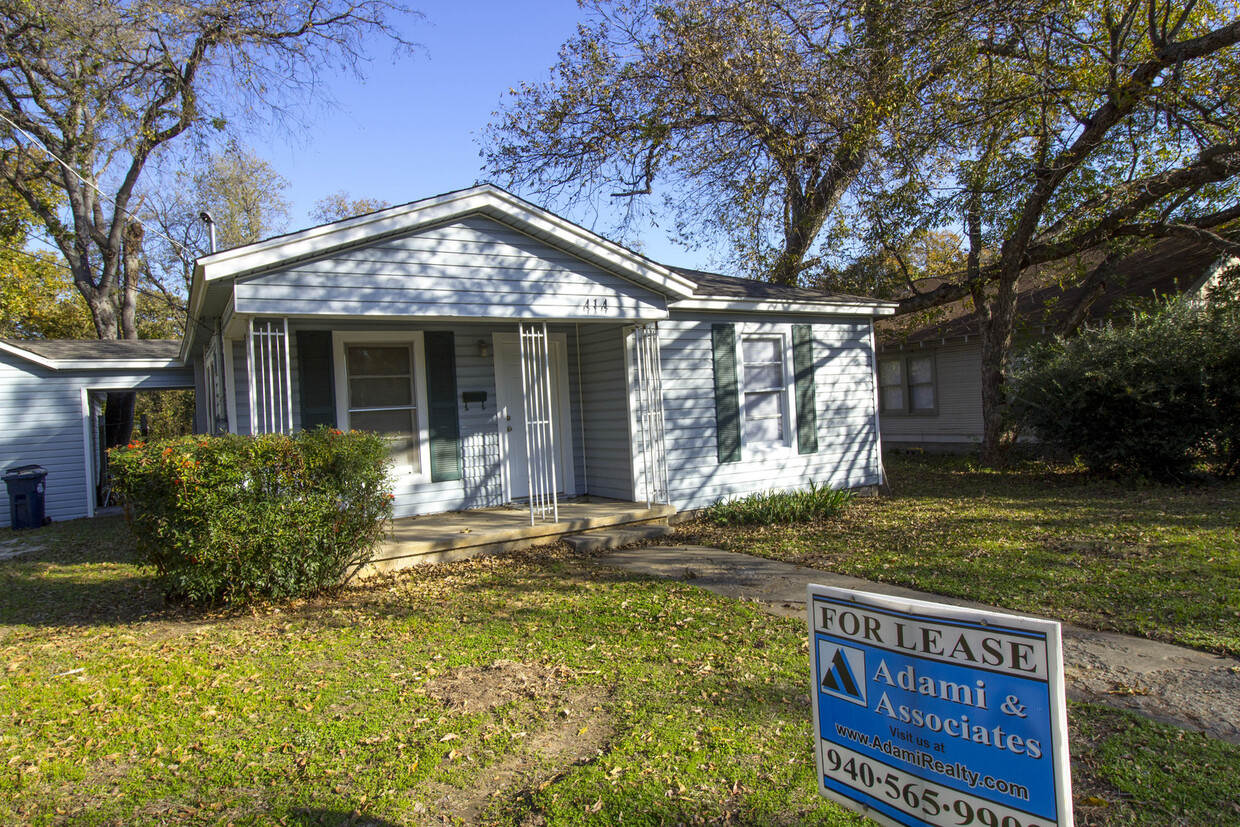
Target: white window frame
{"points": [[782, 332], [341, 339], [906, 386]]}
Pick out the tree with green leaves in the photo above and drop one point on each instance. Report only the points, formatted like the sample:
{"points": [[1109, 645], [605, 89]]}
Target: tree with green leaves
{"points": [[37, 296], [755, 118], [340, 205], [1081, 134], [823, 140], [92, 93]]}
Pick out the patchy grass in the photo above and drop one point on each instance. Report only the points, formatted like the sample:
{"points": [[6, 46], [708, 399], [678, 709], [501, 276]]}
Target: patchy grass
{"points": [[534, 689], [1157, 561], [1128, 771], [497, 691]]}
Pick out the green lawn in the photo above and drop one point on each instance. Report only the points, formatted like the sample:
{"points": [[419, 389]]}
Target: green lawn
{"points": [[1148, 560], [535, 689]]}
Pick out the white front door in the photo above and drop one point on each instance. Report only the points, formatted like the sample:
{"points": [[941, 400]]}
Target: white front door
{"points": [[508, 392]]}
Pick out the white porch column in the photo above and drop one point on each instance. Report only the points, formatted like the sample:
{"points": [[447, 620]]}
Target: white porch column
{"points": [[270, 374], [540, 444], [648, 403]]}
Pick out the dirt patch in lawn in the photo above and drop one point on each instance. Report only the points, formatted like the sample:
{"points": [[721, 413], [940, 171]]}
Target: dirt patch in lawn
{"points": [[478, 688], [15, 548], [570, 727]]}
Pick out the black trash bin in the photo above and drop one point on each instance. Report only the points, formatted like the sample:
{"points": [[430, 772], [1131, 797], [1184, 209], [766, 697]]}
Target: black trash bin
{"points": [[27, 487]]}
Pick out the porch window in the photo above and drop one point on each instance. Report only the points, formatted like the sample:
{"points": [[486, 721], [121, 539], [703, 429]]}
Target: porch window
{"points": [[906, 384], [382, 397], [764, 389]]}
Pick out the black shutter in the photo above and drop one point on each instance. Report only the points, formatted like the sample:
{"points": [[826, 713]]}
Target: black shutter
{"points": [[803, 364], [316, 384], [727, 397], [445, 427]]}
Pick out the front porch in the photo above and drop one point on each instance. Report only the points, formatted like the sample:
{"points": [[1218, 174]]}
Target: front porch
{"points": [[479, 413], [457, 535]]}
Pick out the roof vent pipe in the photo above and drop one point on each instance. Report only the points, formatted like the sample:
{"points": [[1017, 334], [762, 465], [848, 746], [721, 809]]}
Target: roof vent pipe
{"points": [[210, 222]]}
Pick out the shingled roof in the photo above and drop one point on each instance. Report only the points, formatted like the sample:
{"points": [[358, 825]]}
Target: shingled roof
{"points": [[1169, 268], [717, 285], [83, 350]]}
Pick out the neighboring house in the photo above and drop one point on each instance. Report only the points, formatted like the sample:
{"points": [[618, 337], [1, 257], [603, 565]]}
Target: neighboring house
{"points": [[511, 355], [930, 385]]}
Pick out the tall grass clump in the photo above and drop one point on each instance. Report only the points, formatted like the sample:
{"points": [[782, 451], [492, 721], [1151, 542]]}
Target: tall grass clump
{"points": [[239, 518], [818, 502]]}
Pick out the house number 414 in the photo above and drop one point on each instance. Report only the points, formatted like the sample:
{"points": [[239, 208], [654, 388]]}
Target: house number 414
{"points": [[595, 306]]}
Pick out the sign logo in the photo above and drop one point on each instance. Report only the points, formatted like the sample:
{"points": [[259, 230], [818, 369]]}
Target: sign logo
{"points": [[842, 672]]}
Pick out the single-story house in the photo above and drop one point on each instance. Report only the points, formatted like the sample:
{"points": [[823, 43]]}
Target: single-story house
{"points": [[512, 356], [930, 365]]}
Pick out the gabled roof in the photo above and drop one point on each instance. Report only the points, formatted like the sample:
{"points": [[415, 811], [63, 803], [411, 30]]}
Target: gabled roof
{"points": [[683, 288], [1172, 267], [486, 199], [94, 354]]}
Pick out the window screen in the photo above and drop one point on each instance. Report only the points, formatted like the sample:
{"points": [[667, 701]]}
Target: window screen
{"points": [[381, 397], [764, 389], [920, 383], [891, 384]]}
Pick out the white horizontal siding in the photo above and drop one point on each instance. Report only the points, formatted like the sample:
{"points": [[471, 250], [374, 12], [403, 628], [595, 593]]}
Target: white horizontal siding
{"points": [[474, 268], [605, 401], [844, 391], [240, 389], [958, 388]]}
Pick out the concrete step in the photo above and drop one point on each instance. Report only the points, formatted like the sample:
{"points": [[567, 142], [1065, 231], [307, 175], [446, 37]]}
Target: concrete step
{"points": [[604, 538], [458, 535]]}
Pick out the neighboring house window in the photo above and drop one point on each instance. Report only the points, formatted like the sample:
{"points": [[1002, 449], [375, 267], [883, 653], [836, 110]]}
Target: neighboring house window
{"points": [[764, 390], [906, 384]]}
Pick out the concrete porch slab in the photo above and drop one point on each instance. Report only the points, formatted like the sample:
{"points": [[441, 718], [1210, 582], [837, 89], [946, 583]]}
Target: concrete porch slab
{"points": [[458, 535]]}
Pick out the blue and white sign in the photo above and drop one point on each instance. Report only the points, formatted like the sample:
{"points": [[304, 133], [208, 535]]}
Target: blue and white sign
{"points": [[933, 714]]}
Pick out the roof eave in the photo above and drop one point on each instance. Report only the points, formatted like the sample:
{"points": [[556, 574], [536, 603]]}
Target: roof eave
{"points": [[799, 307], [91, 364]]}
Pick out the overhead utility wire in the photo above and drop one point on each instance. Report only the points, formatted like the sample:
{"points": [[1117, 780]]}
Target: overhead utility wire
{"points": [[102, 194]]}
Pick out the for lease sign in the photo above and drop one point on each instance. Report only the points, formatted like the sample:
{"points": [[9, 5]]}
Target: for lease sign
{"points": [[934, 714]]}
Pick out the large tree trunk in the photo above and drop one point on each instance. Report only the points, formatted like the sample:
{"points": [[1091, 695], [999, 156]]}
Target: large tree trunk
{"points": [[119, 414], [997, 323]]}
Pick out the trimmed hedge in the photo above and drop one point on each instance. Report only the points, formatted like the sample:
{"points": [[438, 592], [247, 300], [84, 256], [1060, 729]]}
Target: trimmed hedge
{"points": [[1154, 397], [237, 518]]}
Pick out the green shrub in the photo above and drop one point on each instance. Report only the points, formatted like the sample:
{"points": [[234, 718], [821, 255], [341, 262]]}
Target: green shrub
{"points": [[769, 507], [242, 518], [1153, 397]]}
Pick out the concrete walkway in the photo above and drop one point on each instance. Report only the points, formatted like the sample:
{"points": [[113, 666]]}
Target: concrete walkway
{"points": [[1171, 684]]}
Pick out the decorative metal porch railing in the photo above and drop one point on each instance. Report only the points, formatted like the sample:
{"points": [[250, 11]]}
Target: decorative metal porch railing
{"points": [[267, 359], [540, 445], [649, 393]]}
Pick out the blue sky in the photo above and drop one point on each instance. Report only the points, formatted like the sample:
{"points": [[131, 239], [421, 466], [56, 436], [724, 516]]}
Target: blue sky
{"points": [[411, 129]]}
